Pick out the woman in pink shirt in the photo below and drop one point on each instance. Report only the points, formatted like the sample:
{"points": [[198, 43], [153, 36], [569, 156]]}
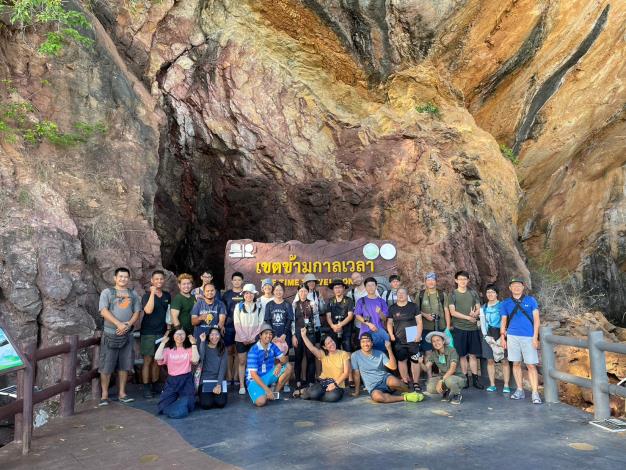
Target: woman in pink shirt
{"points": [[178, 352]]}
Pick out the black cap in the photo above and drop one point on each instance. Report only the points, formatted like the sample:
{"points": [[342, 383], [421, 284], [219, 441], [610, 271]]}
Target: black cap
{"points": [[367, 334]]}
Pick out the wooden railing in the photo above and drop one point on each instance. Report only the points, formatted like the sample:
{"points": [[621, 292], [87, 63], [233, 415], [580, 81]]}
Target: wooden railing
{"points": [[27, 396]]}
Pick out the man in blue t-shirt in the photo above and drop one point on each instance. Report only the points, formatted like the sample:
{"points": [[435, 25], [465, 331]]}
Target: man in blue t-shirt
{"points": [[519, 333], [207, 312], [266, 366]]}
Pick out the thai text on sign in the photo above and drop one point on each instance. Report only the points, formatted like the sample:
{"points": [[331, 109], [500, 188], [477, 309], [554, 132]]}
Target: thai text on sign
{"points": [[290, 262]]}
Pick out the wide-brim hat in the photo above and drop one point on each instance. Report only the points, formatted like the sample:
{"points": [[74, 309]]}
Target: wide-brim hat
{"points": [[265, 327], [310, 277], [337, 282], [249, 288], [429, 337]]}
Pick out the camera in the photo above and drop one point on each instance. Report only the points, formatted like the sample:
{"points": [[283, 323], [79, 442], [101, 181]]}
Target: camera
{"points": [[337, 319], [310, 327]]}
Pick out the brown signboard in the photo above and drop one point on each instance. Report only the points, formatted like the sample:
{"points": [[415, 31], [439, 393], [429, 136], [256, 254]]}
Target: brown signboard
{"points": [[291, 261]]}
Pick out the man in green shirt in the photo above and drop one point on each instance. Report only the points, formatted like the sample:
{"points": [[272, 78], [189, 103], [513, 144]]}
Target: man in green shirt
{"points": [[183, 304], [435, 316], [464, 306], [451, 379]]}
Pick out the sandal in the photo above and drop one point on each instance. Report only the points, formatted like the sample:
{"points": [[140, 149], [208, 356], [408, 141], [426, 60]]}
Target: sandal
{"points": [[416, 387]]}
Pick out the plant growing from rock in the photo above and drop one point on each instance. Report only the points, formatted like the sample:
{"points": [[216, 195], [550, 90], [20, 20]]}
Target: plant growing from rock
{"points": [[429, 108], [507, 152], [67, 24]]}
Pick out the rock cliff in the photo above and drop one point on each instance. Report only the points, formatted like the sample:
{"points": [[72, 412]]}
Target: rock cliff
{"points": [[315, 119]]}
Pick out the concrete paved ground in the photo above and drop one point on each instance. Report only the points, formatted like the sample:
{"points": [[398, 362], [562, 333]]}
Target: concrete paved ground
{"points": [[486, 431]]}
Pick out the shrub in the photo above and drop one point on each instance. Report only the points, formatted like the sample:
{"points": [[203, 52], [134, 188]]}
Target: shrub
{"points": [[508, 153], [33, 13], [429, 108]]}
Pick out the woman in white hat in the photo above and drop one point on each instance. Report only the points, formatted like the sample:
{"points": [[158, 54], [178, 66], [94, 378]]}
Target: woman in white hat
{"points": [[248, 318], [451, 379]]}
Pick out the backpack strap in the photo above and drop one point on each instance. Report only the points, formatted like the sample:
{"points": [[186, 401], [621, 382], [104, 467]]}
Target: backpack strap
{"points": [[518, 308], [387, 296]]}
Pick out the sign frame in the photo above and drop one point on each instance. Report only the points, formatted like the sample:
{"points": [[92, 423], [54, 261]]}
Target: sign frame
{"points": [[15, 347]]}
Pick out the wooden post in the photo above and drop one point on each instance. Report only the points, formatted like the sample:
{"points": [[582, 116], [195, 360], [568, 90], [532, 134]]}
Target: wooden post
{"points": [[18, 418], [95, 364], [70, 359], [27, 410]]}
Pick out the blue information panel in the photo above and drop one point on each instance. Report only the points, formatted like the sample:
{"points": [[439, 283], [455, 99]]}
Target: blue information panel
{"points": [[10, 357]]}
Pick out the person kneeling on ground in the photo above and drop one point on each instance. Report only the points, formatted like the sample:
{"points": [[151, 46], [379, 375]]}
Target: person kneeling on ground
{"points": [[452, 380], [179, 395], [335, 370], [267, 365], [370, 364], [212, 390]]}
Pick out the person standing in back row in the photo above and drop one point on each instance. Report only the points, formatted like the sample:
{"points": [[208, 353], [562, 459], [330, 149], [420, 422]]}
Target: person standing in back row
{"points": [[120, 308], [231, 298], [155, 304], [464, 306], [279, 315], [372, 312], [435, 316], [519, 333], [391, 295], [206, 278], [355, 293], [183, 304]]}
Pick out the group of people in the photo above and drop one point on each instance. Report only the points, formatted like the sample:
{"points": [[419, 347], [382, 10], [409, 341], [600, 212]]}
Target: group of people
{"points": [[210, 341]]}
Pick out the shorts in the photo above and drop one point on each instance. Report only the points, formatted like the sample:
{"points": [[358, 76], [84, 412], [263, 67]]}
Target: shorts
{"points": [[487, 351], [147, 346], [243, 348], [229, 337], [405, 351], [382, 386], [521, 347], [254, 389], [424, 345], [112, 359], [467, 342]]}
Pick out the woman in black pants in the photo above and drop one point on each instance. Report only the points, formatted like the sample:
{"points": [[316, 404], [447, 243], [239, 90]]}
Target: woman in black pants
{"points": [[306, 319], [214, 364], [335, 370]]}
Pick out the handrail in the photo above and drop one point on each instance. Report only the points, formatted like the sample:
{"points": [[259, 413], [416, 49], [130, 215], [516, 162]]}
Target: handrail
{"points": [[599, 382], [27, 396]]}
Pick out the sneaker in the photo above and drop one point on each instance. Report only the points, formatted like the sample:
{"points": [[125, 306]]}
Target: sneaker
{"points": [[518, 395], [446, 395], [147, 391], [104, 402], [413, 397], [286, 389], [416, 387], [476, 382], [506, 390], [242, 391], [536, 399], [491, 388], [456, 399]]}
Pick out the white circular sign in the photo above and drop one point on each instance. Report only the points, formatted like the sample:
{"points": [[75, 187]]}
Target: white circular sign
{"points": [[388, 251], [370, 251]]}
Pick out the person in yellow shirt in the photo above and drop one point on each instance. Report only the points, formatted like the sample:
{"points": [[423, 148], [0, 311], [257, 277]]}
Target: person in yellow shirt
{"points": [[335, 370]]}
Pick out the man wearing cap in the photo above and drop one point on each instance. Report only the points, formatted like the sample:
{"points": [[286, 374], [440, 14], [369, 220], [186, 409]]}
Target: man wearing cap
{"points": [[452, 379], [340, 315], [248, 318], [435, 317], [371, 365], [391, 295], [519, 332], [267, 366]]}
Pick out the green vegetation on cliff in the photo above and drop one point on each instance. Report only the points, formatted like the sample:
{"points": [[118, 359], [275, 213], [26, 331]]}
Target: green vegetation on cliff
{"points": [[67, 24]]}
